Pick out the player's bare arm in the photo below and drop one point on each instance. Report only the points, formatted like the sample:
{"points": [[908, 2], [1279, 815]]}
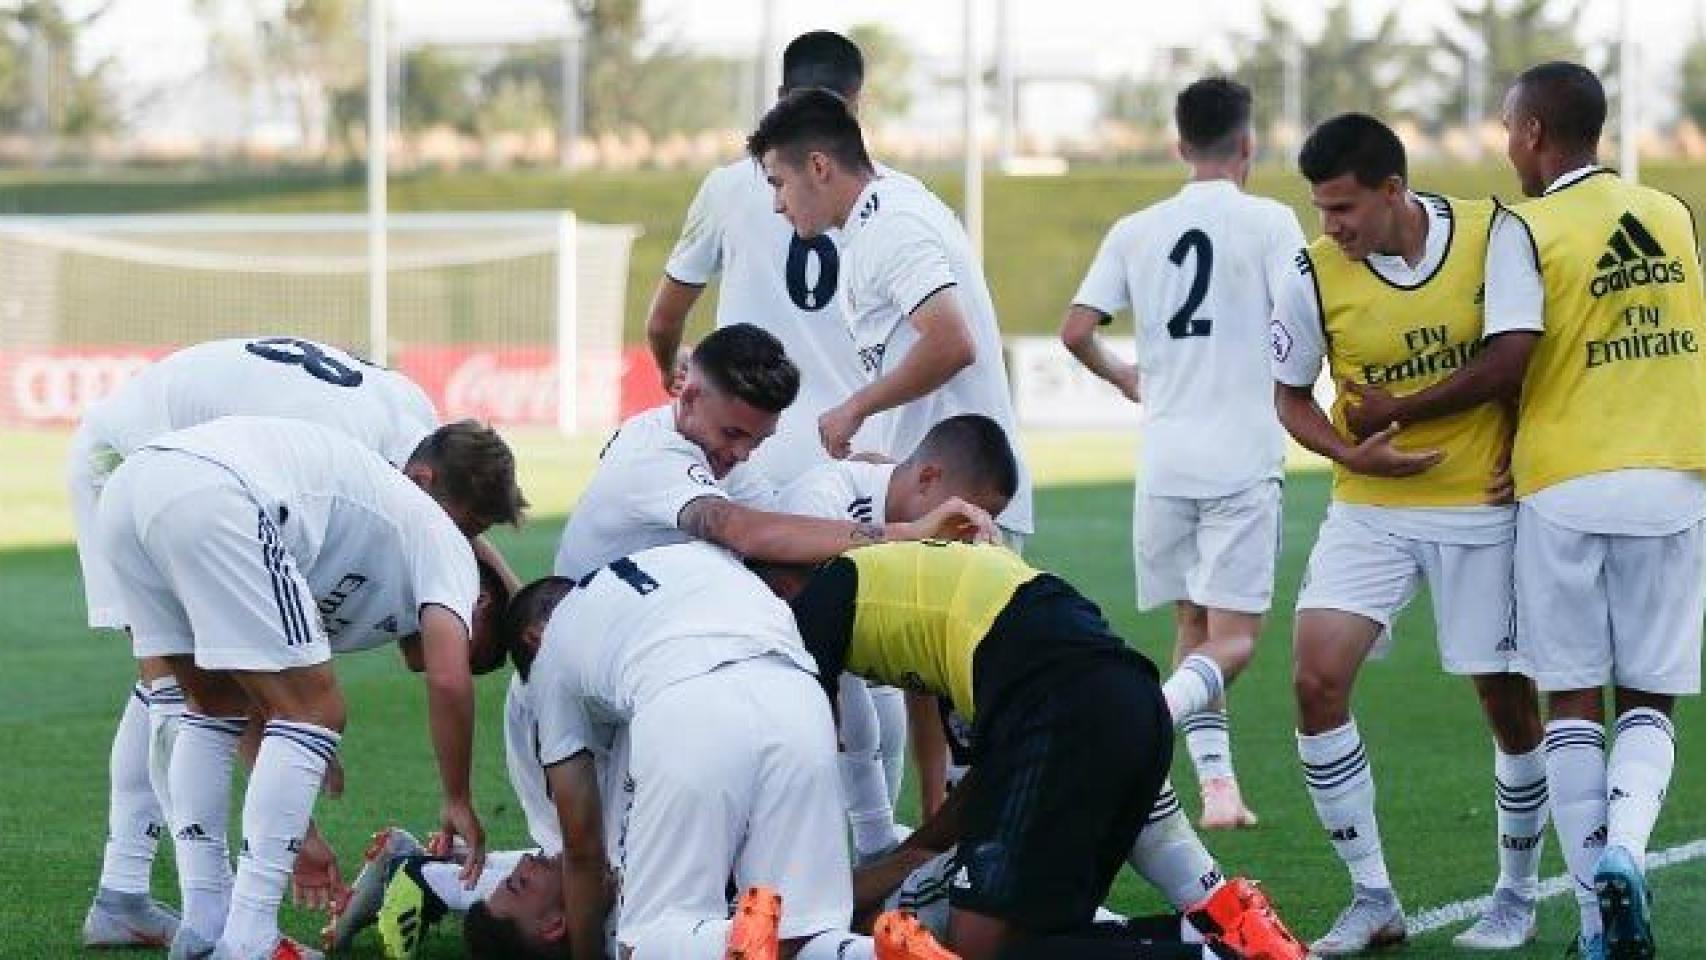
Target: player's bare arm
{"points": [[944, 348], [1375, 456], [586, 873], [1078, 333], [787, 538], [450, 712], [1495, 374], [671, 303]]}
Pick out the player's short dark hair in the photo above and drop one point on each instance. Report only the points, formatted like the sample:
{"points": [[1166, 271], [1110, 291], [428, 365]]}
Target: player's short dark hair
{"points": [[1211, 114], [489, 937], [823, 58], [973, 445], [1353, 143], [487, 657], [530, 605], [748, 362], [808, 119], [1568, 100], [473, 468]]}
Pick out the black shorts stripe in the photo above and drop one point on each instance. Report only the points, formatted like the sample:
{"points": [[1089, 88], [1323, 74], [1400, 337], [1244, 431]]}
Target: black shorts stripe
{"points": [[284, 591]]}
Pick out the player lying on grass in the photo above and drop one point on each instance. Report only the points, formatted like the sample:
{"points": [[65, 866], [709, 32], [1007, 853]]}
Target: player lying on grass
{"points": [[1072, 735], [246, 551], [730, 760]]}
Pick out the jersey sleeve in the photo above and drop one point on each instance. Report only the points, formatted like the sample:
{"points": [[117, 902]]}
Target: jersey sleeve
{"points": [[442, 566], [818, 492], [1515, 297], [749, 486], [1285, 239], [566, 726], [824, 612], [1299, 344], [1104, 287], [698, 253], [660, 482], [909, 263]]}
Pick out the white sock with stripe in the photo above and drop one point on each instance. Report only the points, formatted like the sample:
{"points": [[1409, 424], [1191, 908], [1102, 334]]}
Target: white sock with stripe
{"points": [[1169, 854], [165, 707], [202, 759], [1519, 795], [1636, 778], [276, 809], [890, 704], [134, 817], [1341, 784], [1209, 742], [864, 786], [1575, 776], [1194, 686]]}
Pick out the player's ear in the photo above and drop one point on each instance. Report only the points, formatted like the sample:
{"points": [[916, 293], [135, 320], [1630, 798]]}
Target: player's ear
{"points": [[420, 473], [929, 475], [553, 927]]}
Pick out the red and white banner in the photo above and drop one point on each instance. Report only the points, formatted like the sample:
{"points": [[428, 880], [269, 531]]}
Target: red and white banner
{"points": [[511, 386]]}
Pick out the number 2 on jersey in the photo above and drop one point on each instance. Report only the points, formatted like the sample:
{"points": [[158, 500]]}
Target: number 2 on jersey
{"points": [[1185, 322], [818, 295], [306, 354]]}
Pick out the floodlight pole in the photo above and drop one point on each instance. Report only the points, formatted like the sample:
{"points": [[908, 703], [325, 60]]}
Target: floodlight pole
{"points": [[1629, 157], [378, 153], [972, 208]]}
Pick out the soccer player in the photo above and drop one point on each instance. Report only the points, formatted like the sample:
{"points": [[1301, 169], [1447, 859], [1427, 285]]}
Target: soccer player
{"points": [[1390, 296], [969, 457], [772, 278], [260, 376], [1198, 272], [731, 757], [916, 300], [1071, 733], [1595, 288], [245, 551]]}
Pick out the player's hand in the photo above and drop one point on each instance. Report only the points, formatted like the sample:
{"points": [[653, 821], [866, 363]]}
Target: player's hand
{"points": [[1502, 489], [332, 784], [1369, 411], [676, 378], [1377, 457], [1126, 379], [315, 882], [954, 519], [836, 429], [458, 819]]}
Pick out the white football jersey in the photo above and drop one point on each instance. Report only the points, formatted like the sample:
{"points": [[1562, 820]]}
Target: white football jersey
{"points": [[285, 377], [790, 286], [647, 473], [900, 245], [841, 490], [640, 624], [1199, 273], [372, 545]]}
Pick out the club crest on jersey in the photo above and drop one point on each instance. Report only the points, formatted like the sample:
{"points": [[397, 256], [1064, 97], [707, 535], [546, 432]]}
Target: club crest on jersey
{"points": [[698, 474]]}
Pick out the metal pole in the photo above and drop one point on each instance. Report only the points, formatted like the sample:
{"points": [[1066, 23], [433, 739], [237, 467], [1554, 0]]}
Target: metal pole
{"points": [[972, 211], [378, 152], [1628, 106], [1007, 75], [573, 118]]}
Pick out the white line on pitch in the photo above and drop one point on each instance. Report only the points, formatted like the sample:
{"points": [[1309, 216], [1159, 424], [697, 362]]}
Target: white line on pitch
{"points": [[1438, 918]]}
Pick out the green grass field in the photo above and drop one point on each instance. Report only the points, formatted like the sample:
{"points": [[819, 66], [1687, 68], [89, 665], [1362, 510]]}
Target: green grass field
{"points": [[1431, 755]]}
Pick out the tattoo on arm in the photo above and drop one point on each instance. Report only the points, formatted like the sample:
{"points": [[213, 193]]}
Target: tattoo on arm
{"points": [[864, 533], [705, 518]]}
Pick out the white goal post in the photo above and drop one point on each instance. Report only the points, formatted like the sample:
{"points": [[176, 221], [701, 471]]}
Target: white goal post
{"points": [[513, 317]]}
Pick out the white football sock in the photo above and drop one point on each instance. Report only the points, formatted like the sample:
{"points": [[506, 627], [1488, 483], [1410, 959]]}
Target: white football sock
{"points": [[165, 706], [444, 879], [1341, 784], [1169, 854], [1637, 776], [1519, 795], [202, 759], [1575, 777], [676, 937], [1209, 743], [864, 787], [276, 809], [1193, 686], [890, 704], [838, 945], [134, 818]]}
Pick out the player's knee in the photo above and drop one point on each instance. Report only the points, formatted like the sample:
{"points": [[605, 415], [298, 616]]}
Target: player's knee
{"points": [[1323, 698]]}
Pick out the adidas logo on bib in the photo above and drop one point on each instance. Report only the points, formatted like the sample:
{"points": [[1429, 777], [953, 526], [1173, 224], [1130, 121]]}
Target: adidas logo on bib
{"points": [[1633, 258]]}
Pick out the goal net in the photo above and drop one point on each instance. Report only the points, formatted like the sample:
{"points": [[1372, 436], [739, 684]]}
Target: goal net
{"points": [[514, 318]]}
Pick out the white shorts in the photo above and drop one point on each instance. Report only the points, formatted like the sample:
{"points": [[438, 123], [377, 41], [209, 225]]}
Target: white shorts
{"points": [[1360, 569], [735, 772], [1217, 552], [201, 568], [1595, 608], [88, 464]]}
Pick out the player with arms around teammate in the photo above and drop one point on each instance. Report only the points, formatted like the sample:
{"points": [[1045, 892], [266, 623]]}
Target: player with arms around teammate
{"points": [[247, 550], [1597, 283], [1198, 271], [261, 376], [916, 300], [771, 277], [1390, 297]]}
